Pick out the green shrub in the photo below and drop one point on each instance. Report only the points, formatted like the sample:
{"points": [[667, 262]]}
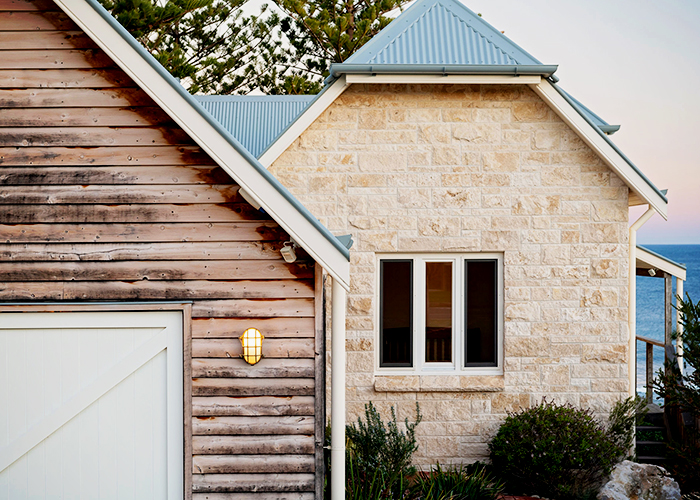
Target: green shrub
{"points": [[458, 483], [621, 424], [378, 456], [556, 451]]}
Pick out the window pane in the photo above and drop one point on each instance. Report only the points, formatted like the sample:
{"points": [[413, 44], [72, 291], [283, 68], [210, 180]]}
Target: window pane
{"points": [[481, 310], [438, 312], [396, 328]]}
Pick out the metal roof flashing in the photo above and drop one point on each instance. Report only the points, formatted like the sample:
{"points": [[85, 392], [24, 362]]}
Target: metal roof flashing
{"points": [[191, 101]]}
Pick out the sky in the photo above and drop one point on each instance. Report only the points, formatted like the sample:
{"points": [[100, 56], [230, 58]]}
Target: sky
{"points": [[635, 63]]}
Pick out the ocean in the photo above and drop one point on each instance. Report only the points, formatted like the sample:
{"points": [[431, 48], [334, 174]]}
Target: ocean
{"points": [[650, 302]]}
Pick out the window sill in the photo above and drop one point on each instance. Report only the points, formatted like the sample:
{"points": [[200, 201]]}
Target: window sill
{"points": [[439, 383]]}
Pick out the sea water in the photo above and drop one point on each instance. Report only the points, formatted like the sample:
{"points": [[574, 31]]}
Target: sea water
{"points": [[650, 302]]}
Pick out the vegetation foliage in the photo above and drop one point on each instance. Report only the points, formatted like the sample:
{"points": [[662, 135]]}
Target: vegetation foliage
{"points": [[212, 46], [681, 393], [457, 483], [560, 451]]}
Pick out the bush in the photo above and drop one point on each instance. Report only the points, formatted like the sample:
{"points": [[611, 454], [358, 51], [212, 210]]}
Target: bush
{"points": [[621, 423], [681, 393], [378, 456], [557, 451], [458, 483]]}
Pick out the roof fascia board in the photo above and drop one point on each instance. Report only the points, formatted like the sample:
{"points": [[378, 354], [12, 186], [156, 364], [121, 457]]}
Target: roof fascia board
{"points": [[656, 261], [602, 145], [303, 121], [339, 69], [444, 80], [211, 137]]}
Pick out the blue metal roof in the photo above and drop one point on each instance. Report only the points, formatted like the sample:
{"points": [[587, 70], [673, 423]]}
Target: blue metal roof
{"points": [[255, 121], [441, 32]]}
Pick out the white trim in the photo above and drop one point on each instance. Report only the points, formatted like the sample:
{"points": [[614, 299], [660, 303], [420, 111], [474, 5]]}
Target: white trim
{"points": [[339, 299], [606, 152], [303, 122], [649, 260], [632, 300], [208, 138], [456, 366], [445, 79]]}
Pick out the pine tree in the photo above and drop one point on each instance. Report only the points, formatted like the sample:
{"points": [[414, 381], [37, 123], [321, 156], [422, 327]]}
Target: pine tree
{"points": [[208, 44], [321, 32]]}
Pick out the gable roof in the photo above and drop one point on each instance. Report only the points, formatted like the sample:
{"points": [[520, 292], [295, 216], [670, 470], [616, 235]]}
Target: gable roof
{"points": [[457, 36], [218, 143], [445, 38], [255, 121], [441, 36]]}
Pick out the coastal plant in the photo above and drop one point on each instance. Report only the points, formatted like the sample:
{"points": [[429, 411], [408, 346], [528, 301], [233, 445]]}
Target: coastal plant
{"points": [[456, 483], [556, 451], [680, 392], [378, 456], [621, 424], [380, 452]]}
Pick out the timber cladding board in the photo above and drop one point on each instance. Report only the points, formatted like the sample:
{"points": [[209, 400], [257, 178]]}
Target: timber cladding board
{"points": [[105, 198]]}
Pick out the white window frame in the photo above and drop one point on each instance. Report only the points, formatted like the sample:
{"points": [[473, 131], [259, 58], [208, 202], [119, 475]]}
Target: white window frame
{"points": [[456, 367]]}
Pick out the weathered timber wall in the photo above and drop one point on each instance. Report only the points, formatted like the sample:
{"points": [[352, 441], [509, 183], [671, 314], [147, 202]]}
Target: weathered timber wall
{"points": [[104, 198]]}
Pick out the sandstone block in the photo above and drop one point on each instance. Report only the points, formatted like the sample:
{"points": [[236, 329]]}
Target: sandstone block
{"points": [[501, 162], [477, 133], [456, 198]]}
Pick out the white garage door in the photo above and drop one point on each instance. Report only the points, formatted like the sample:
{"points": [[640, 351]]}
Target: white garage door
{"points": [[91, 405]]}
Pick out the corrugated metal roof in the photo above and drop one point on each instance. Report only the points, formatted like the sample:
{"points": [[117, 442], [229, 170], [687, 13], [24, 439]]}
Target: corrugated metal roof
{"points": [[255, 121], [440, 32]]}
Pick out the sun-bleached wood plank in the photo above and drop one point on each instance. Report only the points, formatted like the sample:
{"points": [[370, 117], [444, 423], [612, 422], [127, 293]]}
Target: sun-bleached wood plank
{"points": [[18, 40], [143, 116], [62, 214], [233, 327], [54, 59], [217, 483], [272, 347], [28, 5], [36, 21], [254, 496], [118, 194], [238, 250], [226, 464], [251, 426], [253, 387], [151, 290], [57, 176], [265, 368], [257, 308], [273, 444], [92, 136], [73, 97], [173, 270], [104, 156], [142, 232], [256, 406]]}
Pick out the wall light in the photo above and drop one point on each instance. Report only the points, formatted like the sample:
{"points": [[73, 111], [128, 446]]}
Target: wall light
{"points": [[652, 272], [251, 341], [288, 252]]}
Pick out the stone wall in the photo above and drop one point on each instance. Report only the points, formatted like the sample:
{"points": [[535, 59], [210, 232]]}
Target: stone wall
{"points": [[475, 169]]}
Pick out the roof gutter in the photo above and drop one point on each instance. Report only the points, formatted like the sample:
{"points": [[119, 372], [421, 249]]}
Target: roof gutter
{"points": [[339, 69]]}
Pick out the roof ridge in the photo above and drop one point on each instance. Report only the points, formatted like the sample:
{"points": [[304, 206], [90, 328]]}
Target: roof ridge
{"points": [[395, 44]]}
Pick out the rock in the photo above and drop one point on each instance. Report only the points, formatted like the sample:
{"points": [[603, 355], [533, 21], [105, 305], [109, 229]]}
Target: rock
{"points": [[632, 481]]}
